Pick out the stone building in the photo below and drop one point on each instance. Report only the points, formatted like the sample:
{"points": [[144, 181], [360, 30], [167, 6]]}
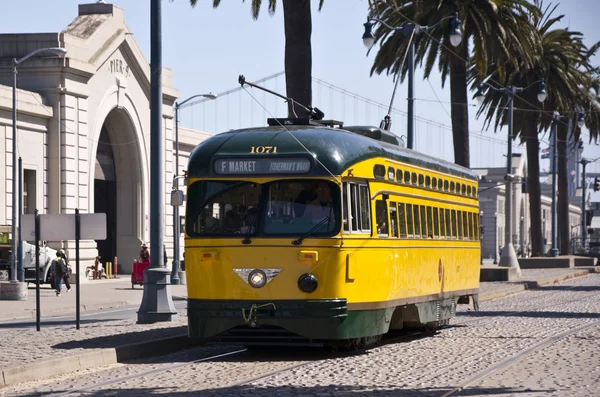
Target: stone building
{"points": [[83, 130], [492, 195]]}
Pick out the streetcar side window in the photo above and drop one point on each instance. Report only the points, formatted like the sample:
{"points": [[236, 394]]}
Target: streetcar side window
{"points": [[409, 220], [471, 234], [460, 225], [379, 171], [399, 175], [440, 184], [394, 219], [429, 223], [381, 218], [365, 210], [391, 173], [436, 223], [414, 178], [476, 229], [417, 221], [445, 185], [454, 231], [442, 224], [406, 177], [421, 180], [427, 181], [423, 222], [402, 220], [358, 205], [467, 232], [345, 205], [434, 183]]}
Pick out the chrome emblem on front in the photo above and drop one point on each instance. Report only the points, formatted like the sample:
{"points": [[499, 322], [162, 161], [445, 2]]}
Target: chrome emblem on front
{"points": [[270, 272]]}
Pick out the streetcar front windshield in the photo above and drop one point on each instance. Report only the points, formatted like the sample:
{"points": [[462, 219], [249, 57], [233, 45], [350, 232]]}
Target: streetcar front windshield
{"points": [[297, 207], [280, 208], [223, 208]]}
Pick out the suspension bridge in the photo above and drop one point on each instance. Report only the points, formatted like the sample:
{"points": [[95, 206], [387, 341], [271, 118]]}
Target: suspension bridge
{"points": [[243, 107]]}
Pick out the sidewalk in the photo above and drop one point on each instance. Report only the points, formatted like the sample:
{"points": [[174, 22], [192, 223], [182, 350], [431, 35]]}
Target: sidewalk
{"points": [[95, 295], [59, 348]]}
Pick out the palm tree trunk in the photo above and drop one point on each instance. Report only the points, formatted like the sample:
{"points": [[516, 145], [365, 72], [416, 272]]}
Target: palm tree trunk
{"points": [[298, 54], [459, 110], [564, 228], [534, 190]]}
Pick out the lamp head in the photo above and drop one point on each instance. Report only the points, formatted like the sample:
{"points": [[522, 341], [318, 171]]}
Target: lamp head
{"points": [[368, 39], [542, 94], [580, 120], [61, 52], [210, 95], [455, 33], [480, 94]]}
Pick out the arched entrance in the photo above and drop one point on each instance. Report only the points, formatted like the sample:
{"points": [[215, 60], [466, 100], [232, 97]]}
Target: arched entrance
{"points": [[118, 188]]}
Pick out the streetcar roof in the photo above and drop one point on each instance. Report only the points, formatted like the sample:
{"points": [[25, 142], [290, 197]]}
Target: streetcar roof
{"points": [[336, 149]]}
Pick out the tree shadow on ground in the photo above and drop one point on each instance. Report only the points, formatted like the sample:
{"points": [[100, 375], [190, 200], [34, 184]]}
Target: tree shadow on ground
{"points": [[532, 314], [124, 338], [321, 390], [43, 323]]}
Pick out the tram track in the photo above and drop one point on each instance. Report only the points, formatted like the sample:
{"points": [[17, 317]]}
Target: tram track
{"points": [[244, 355], [512, 360]]}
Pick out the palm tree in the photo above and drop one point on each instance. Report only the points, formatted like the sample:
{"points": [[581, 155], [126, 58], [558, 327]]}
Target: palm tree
{"points": [[298, 53], [557, 58], [493, 25]]}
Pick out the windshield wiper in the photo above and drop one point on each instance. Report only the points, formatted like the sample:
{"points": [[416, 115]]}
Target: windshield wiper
{"points": [[246, 239], [315, 227]]}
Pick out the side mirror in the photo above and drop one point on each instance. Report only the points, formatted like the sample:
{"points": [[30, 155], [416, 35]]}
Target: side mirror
{"points": [[176, 198]]}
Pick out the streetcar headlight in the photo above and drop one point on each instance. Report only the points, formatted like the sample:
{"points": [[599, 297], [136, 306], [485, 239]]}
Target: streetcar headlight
{"points": [[307, 282], [257, 278]]}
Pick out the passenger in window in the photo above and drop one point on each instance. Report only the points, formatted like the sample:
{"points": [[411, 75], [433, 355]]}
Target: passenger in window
{"points": [[322, 207], [233, 220], [306, 196]]}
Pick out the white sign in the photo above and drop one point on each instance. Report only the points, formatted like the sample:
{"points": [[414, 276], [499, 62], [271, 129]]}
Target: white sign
{"points": [[57, 227]]}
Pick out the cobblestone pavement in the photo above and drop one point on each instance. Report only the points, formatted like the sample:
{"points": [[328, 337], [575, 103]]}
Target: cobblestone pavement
{"points": [[424, 366], [21, 346], [26, 345]]}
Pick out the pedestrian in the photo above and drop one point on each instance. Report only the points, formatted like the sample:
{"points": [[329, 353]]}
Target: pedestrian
{"points": [[66, 275], [165, 254], [59, 268], [145, 254]]}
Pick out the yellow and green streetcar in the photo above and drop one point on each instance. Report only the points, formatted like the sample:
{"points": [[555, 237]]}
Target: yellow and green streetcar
{"points": [[309, 233]]}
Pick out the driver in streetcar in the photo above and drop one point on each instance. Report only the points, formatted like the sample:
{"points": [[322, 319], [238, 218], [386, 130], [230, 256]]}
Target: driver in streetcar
{"points": [[322, 206]]}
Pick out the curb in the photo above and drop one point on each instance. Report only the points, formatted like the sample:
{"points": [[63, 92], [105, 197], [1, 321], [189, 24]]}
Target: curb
{"points": [[46, 369], [527, 285]]}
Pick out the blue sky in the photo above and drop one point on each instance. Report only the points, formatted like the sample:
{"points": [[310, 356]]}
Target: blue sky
{"points": [[208, 48]]}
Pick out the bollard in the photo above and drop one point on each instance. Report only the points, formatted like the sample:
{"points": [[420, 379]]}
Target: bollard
{"points": [[115, 268], [107, 269]]}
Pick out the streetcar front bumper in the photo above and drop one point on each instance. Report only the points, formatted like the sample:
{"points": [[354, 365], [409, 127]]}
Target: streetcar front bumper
{"points": [[310, 319]]}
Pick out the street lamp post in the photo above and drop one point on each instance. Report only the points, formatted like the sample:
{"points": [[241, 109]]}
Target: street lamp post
{"points": [[176, 232], [495, 238], [481, 230], [509, 257], [157, 303], [410, 30], [16, 260], [557, 118]]}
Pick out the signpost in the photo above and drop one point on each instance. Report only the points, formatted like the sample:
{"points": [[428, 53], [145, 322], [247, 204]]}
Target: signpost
{"points": [[59, 227]]}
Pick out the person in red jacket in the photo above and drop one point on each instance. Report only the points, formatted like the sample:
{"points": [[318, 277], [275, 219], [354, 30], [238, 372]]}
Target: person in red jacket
{"points": [[145, 254]]}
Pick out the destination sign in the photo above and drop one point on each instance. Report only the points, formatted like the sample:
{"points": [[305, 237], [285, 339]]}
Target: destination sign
{"points": [[262, 166]]}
